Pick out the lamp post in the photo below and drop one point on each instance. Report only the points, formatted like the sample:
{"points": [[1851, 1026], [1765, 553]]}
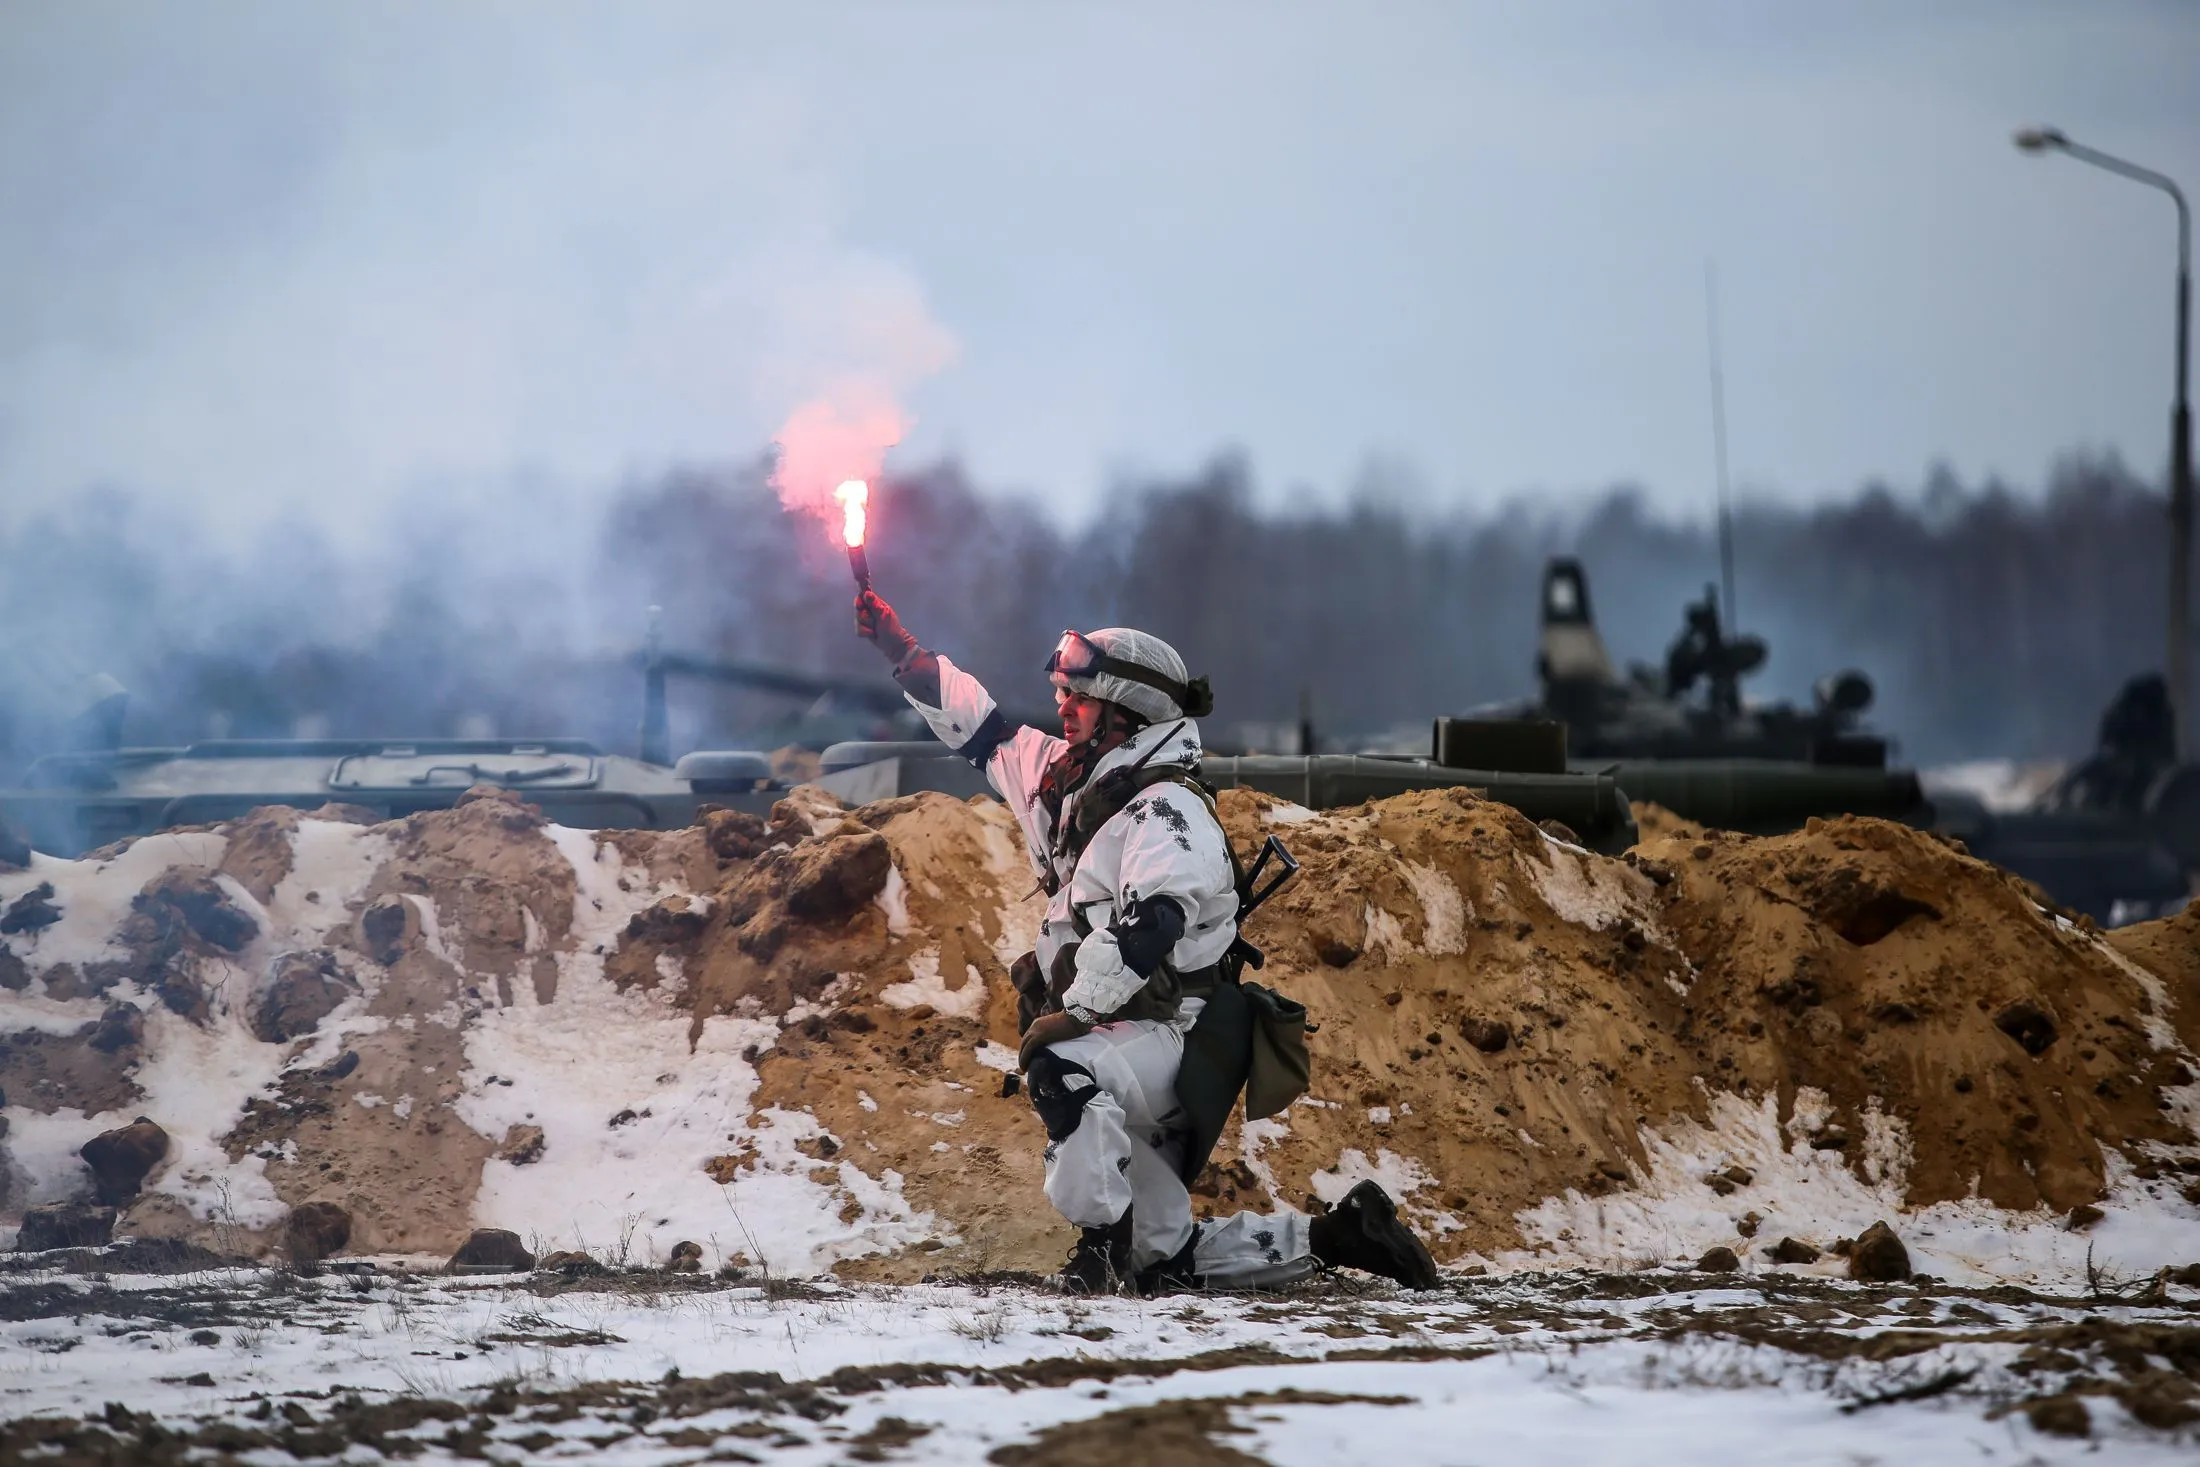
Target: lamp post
{"points": [[2179, 671]]}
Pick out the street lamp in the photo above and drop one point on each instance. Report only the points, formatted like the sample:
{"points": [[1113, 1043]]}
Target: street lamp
{"points": [[2179, 671]]}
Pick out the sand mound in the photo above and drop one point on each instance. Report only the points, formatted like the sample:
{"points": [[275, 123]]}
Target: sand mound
{"points": [[788, 1040]]}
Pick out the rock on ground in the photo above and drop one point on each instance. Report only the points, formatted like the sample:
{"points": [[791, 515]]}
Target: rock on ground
{"points": [[122, 1158]]}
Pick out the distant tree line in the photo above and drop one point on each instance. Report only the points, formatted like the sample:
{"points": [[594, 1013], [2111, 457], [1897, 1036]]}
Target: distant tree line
{"points": [[1994, 622]]}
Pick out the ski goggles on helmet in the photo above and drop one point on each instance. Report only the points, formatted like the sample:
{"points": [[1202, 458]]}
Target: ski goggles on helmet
{"points": [[1077, 659]]}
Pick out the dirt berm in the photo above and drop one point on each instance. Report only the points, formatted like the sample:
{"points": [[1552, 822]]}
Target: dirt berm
{"points": [[1504, 1019]]}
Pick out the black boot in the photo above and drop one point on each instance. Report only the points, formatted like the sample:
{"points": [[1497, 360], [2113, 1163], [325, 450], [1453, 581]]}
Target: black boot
{"points": [[1363, 1232], [1171, 1275], [1101, 1261]]}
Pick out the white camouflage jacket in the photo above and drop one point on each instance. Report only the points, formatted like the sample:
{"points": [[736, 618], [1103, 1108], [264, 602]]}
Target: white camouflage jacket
{"points": [[1163, 843]]}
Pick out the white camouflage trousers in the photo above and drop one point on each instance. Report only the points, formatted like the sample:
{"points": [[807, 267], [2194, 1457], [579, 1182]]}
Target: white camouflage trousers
{"points": [[1124, 1153]]}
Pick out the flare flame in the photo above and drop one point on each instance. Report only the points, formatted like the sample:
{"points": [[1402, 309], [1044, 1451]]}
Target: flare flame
{"points": [[855, 499]]}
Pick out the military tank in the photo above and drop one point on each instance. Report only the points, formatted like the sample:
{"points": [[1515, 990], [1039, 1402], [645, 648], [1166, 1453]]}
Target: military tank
{"points": [[1590, 807], [2117, 836], [81, 798], [1682, 736], [68, 804]]}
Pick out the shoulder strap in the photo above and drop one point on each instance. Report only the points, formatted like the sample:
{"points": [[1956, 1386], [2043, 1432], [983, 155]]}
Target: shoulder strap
{"points": [[1108, 797]]}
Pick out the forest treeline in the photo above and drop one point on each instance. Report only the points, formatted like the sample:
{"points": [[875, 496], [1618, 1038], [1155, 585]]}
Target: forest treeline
{"points": [[1994, 621]]}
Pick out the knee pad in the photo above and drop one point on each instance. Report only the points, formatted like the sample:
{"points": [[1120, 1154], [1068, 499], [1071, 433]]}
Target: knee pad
{"points": [[1060, 1091]]}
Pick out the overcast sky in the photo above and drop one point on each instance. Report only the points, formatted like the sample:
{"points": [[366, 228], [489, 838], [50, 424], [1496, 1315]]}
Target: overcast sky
{"points": [[274, 258]]}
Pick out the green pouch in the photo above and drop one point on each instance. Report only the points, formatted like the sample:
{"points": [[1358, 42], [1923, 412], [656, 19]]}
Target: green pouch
{"points": [[1281, 1066]]}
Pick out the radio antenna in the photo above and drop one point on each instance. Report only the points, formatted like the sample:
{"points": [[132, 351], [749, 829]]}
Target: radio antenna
{"points": [[1718, 449]]}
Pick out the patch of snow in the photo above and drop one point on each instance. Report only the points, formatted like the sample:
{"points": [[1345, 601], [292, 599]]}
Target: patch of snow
{"points": [[2001, 785], [1254, 1138], [431, 931], [1796, 1190], [1286, 813], [1586, 891], [925, 986], [1444, 912], [1386, 935], [336, 862], [893, 900], [94, 896], [995, 1056], [1400, 1176]]}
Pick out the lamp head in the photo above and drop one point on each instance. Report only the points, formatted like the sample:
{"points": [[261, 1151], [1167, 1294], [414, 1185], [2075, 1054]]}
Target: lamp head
{"points": [[2039, 139]]}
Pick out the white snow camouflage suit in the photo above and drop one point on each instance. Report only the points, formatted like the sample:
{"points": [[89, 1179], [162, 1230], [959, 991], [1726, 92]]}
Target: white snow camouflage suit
{"points": [[1126, 1145]]}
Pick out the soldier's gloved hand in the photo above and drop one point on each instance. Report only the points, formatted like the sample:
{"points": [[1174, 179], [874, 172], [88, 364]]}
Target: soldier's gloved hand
{"points": [[877, 624], [1104, 982]]}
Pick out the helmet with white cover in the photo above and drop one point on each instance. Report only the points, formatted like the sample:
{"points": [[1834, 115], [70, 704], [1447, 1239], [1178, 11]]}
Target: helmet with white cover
{"points": [[1132, 669]]}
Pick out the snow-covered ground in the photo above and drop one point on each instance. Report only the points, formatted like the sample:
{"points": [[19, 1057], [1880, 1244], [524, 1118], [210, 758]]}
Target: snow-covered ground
{"points": [[1655, 1366]]}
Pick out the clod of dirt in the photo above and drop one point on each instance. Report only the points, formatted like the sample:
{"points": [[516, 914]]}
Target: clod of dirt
{"points": [[1878, 1256], [493, 1248], [65, 1225], [121, 1027], [837, 878], [733, 835], [386, 926], [523, 1145], [2083, 1216], [122, 1158], [337, 1068], [306, 988], [1793, 1250], [2029, 1025], [14, 976], [32, 911], [314, 1231], [204, 907], [1487, 1035], [2060, 1416], [572, 1265], [1718, 1260], [686, 1258], [673, 920]]}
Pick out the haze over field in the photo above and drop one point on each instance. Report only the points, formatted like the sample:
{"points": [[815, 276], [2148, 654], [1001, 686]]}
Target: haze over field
{"points": [[282, 261]]}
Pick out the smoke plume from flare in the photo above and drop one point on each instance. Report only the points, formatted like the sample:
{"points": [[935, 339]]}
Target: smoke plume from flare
{"points": [[829, 450]]}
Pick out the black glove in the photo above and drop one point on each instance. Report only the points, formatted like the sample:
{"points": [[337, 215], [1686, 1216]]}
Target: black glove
{"points": [[877, 624]]}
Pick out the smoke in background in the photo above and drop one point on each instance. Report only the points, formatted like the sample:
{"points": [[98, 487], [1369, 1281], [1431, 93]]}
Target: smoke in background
{"points": [[1994, 623]]}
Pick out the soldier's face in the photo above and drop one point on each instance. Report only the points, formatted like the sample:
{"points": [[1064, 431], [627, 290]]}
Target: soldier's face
{"points": [[1080, 714]]}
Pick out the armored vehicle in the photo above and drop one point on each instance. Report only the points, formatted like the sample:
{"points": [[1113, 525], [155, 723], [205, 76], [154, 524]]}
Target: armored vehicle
{"points": [[2118, 835], [1683, 736], [1591, 807], [71, 803], [2118, 838]]}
